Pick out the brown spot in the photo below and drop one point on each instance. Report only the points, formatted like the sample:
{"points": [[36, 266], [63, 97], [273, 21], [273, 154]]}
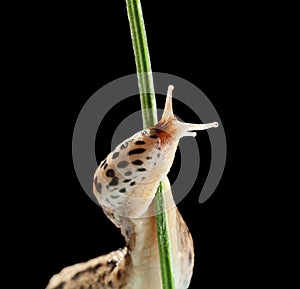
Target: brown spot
{"points": [[137, 162], [77, 275], [110, 173], [190, 258], [139, 142], [114, 181], [141, 170], [115, 155], [122, 164], [112, 264], [98, 185], [136, 151], [119, 274], [103, 163]]}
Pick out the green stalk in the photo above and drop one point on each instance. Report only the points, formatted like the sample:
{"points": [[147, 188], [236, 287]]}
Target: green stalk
{"points": [[142, 61], [148, 104]]}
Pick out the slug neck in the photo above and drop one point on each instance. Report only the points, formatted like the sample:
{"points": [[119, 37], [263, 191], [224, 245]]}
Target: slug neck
{"points": [[143, 245]]}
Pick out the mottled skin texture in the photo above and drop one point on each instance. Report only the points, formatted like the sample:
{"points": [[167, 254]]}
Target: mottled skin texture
{"points": [[124, 185], [97, 273]]}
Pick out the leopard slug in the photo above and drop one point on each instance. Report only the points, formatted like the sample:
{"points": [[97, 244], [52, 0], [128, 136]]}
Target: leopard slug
{"points": [[124, 185]]}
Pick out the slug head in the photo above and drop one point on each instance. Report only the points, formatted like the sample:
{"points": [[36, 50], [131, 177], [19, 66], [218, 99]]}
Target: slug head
{"points": [[170, 129]]}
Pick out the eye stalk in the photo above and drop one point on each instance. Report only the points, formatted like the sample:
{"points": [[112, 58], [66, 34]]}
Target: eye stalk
{"points": [[168, 110]]}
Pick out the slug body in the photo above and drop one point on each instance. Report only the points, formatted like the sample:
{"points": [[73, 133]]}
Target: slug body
{"points": [[125, 184]]}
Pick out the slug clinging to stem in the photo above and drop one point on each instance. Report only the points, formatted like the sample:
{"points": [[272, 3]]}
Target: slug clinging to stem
{"points": [[125, 184]]}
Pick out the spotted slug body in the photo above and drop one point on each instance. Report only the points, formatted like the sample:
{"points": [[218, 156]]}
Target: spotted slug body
{"points": [[125, 184]]}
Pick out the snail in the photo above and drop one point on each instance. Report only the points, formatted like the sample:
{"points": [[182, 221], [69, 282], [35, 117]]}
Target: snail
{"points": [[124, 185]]}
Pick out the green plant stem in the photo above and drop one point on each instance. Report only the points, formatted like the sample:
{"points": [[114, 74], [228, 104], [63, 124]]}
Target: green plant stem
{"points": [[148, 104], [142, 61]]}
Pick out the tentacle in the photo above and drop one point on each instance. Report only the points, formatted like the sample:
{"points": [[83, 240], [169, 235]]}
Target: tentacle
{"points": [[168, 110], [189, 127]]}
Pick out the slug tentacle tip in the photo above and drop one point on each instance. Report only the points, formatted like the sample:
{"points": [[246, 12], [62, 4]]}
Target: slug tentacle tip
{"points": [[170, 88]]}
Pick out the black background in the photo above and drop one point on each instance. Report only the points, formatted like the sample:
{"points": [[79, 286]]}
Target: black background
{"points": [[71, 52]]}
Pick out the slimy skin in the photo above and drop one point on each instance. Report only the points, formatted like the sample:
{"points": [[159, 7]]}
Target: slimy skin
{"points": [[125, 184]]}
